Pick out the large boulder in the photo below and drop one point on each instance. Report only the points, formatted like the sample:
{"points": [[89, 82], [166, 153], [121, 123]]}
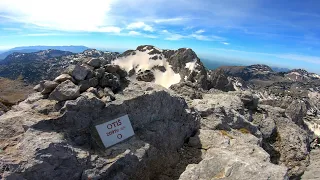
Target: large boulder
{"points": [[67, 90], [219, 80], [110, 80], [94, 62], [68, 147], [297, 110], [86, 84], [223, 111], [99, 72], [313, 170], [231, 155], [80, 72], [284, 140], [187, 90], [293, 146], [115, 69]]}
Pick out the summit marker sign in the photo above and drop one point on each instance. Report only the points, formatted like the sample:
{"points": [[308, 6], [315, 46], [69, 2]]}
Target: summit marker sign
{"points": [[115, 131]]}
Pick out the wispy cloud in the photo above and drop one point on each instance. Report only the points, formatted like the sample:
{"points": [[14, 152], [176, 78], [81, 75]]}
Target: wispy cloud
{"points": [[140, 25], [170, 20], [200, 31], [172, 36], [225, 43], [200, 37], [134, 33], [139, 34]]}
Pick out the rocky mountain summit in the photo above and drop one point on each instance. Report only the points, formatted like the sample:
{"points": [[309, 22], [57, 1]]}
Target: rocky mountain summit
{"points": [[189, 122]]}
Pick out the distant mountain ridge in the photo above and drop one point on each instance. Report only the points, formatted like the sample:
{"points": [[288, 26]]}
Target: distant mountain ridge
{"points": [[31, 49]]}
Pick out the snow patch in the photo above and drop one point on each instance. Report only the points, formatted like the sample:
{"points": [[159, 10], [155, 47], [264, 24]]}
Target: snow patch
{"points": [[192, 65], [142, 61], [295, 73]]}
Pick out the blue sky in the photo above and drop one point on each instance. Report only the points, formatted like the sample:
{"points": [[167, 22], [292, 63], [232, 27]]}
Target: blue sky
{"points": [[275, 32]]}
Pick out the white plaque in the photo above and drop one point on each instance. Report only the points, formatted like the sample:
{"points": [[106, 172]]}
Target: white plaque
{"points": [[115, 131]]}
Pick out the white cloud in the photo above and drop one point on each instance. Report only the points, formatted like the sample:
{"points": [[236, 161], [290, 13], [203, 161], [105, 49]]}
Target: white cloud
{"points": [[140, 25], [200, 31], [134, 33], [225, 43], [197, 36], [217, 38], [200, 37], [65, 15], [170, 20], [172, 36]]}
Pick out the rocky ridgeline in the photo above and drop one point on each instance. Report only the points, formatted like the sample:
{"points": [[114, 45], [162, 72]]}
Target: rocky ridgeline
{"points": [[199, 128], [47, 64]]}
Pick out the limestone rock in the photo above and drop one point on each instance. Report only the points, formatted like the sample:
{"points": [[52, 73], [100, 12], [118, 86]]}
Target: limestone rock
{"points": [[232, 155], [63, 77], [267, 127], [67, 90], [219, 80], [94, 62], [296, 111], [146, 76], [187, 90], [313, 170], [110, 80], [93, 90], [37, 88], [108, 92], [223, 111], [48, 86], [80, 72], [111, 68], [69, 147], [86, 84], [99, 72]]}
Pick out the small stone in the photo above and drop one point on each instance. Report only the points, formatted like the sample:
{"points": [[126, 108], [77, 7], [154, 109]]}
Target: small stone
{"points": [[63, 77], [38, 88], [48, 86], [106, 99]]}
